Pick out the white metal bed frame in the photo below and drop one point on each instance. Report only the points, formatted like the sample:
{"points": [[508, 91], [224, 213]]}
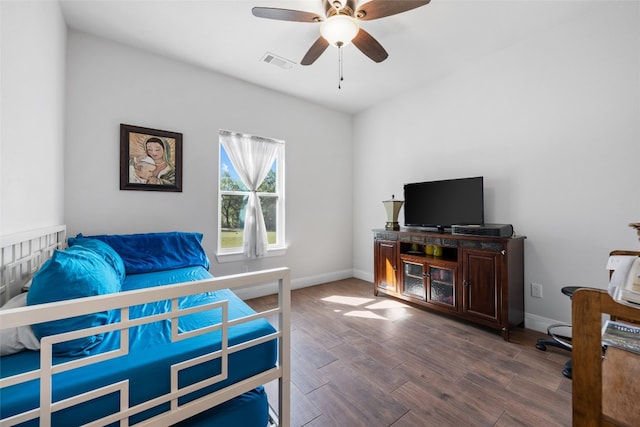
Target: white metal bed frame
{"points": [[22, 255]]}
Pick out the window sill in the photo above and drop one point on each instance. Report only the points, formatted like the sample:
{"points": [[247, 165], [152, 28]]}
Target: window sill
{"points": [[238, 256]]}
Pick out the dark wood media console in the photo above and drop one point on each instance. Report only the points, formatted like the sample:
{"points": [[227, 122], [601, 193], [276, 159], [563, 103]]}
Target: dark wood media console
{"points": [[480, 279]]}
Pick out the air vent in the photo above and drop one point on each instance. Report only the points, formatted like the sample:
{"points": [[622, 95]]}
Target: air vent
{"points": [[278, 61]]}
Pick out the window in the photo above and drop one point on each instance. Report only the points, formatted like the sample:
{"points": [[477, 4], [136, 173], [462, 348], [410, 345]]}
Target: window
{"points": [[251, 196]]}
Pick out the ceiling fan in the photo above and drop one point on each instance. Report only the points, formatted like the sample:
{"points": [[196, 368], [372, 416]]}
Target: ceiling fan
{"points": [[340, 25]]}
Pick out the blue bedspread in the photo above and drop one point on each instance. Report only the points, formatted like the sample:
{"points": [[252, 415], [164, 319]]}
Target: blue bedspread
{"points": [[151, 354]]}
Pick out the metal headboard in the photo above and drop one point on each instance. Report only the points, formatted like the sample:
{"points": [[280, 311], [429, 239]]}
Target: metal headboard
{"points": [[22, 254]]}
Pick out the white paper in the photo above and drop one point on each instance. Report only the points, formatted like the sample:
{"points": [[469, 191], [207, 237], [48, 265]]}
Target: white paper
{"points": [[615, 261]]}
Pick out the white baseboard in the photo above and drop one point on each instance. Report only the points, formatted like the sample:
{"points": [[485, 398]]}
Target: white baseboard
{"points": [[363, 275], [538, 323], [301, 282], [304, 282]]}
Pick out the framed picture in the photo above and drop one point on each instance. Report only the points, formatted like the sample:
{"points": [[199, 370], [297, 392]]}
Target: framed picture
{"points": [[150, 159]]}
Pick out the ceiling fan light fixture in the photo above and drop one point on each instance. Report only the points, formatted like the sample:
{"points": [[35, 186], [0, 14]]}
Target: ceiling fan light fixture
{"points": [[339, 30]]}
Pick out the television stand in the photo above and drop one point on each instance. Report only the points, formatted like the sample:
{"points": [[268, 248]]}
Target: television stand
{"points": [[476, 278]]}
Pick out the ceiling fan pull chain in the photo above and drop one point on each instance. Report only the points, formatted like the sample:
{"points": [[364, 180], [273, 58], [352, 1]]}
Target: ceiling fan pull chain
{"points": [[340, 76]]}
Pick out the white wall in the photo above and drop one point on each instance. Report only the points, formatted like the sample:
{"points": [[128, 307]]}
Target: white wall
{"points": [[553, 125], [32, 115], [109, 84]]}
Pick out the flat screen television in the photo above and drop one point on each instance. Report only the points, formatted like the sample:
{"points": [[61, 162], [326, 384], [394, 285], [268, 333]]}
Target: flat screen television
{"points": [[440, 204]]}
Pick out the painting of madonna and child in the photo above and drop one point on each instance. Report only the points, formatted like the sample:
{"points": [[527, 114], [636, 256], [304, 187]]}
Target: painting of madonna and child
{"points": [[150, 159]]}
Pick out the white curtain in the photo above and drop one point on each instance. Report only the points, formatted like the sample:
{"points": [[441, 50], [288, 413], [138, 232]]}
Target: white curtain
{"points": [[252, 157]]}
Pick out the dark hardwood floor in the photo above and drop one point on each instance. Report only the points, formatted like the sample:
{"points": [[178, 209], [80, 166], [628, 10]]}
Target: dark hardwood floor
{"points": [[361, 360]]}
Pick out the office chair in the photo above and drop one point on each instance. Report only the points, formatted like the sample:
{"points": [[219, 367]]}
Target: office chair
{"points": [[557, 340], [565, 342]]}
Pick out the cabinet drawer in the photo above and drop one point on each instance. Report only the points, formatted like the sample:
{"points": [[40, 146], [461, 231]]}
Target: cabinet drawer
{"points": [[482, 245]]}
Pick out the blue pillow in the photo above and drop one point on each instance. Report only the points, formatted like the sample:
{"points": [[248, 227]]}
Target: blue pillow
{"points": [[74, 273], [102, 249], [148, 252]]}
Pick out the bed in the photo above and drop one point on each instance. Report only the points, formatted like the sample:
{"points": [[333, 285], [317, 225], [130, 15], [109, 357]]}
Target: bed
{"points": [[166, 344]]}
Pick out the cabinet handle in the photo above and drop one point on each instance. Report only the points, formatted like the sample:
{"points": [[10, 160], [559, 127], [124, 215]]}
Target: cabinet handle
{"points": [[466, 283], [503, 252], [425, 274]]}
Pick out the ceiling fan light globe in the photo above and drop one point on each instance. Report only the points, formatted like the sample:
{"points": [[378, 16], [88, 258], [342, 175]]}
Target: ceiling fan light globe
{"points": [[339, 30]]}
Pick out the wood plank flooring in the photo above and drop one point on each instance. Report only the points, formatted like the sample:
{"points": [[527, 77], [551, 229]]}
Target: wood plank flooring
{"points": [[361, 360]]}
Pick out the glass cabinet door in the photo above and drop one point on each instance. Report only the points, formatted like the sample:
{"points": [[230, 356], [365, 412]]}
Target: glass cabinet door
{"points": [[441, 285], [413, 279]]}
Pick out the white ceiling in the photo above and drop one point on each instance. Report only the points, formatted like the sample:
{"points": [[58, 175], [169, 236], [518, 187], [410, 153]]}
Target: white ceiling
{"points": [[222, 35]]}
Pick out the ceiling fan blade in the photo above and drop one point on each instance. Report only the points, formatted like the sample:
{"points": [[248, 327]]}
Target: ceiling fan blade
{"points": [[369, 46], [375, 9], [315, 51], [285, 14]]}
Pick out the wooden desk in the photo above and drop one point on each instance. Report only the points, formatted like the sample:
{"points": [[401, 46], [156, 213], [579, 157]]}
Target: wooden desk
{"points": [[615, 379]]}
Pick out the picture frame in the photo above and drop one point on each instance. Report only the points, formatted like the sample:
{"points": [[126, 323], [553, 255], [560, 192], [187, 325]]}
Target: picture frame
{"points": [[150, 159]]}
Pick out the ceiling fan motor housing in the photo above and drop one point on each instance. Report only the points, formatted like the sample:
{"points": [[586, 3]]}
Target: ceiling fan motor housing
{"points": [[339, 7]]}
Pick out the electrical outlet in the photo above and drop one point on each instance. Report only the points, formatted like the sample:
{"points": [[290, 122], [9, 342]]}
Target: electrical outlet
{"points": [[536, 290]]}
